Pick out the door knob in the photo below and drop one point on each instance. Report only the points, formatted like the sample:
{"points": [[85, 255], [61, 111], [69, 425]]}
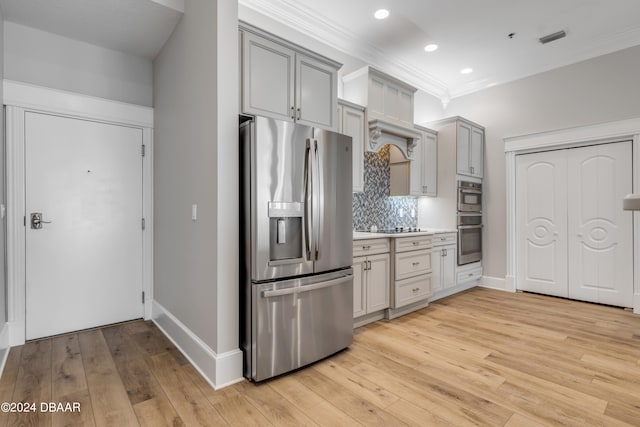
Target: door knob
{"points": [[36, 221]]}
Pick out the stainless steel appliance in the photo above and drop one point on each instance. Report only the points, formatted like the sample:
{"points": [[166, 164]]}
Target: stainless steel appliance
{"points": [[469, 196], [469, 238], [297, 296]]}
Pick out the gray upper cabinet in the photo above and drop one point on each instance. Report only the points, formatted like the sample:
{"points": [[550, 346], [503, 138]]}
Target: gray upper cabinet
{"points": [[470, 148], [353, 122], [424, 166], [284, 81]]}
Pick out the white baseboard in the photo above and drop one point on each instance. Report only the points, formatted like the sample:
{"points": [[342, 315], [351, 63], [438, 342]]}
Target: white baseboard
{"points": [[5, 345], [220, 370], [497, 283], [448, 292]]}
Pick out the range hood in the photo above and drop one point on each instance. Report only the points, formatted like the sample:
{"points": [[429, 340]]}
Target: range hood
{"points": [[382, 132]]}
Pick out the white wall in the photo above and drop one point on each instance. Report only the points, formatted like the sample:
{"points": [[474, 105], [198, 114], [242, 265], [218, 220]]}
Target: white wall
{"points": [[595, 91], [46, 59], [196, 162], [4, 343]]}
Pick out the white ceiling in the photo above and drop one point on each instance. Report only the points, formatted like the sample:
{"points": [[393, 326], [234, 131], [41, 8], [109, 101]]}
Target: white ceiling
{"points": [[469, 33], [137, 27]]}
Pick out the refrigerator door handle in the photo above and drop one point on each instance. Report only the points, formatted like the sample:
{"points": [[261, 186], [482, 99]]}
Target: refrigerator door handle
{"points": [[317, 180], [308, 201], [307, 288]]}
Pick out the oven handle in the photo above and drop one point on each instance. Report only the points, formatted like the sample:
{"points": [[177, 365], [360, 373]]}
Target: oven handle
{"points": [[466, 227], [469, 190]]}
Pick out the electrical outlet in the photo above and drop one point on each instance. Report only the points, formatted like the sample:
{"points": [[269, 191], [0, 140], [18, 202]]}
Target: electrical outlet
{"points": [[400, 212]]}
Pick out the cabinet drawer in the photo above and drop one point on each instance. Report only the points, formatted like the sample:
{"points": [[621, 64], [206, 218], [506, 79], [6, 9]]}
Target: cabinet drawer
{"points": [[370, 247], [468, 275], [412, 290], [444, 239], [404, 244], [409, 264]]}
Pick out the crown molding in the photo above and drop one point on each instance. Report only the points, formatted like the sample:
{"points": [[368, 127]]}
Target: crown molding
{"points": [[310, 23]]}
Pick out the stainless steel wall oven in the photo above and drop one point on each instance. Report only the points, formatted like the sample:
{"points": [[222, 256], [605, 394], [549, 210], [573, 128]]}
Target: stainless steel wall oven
{"points": [[469, 238]]}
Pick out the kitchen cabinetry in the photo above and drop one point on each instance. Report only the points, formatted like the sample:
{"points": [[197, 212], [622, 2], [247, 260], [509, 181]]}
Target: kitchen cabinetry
{"points": [[443, 261], [371, 273], [470, 146], [418, 176], [386, 97], [352, 121], [284, 81], [411, 274]]}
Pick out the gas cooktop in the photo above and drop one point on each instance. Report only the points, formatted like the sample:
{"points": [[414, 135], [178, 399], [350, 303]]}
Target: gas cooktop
{"points": [[400, 230]]}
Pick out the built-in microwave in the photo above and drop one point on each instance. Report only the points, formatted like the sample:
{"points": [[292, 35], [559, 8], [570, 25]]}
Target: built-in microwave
{"points": [[469, 196]]}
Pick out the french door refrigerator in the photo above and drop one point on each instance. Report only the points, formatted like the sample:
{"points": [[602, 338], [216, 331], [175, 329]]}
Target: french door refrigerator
{"points": [[297, 281]]}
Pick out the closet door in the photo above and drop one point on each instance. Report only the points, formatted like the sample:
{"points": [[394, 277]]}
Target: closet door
{"points": [[541, 222], [600, 232]]}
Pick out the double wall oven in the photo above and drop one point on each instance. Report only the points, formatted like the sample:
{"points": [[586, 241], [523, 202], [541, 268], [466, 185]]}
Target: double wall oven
{"points": [[469, 222]]}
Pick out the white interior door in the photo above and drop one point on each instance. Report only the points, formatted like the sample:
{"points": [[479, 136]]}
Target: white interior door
{"points": [[84, 266], [600, 232], [541, 222]]}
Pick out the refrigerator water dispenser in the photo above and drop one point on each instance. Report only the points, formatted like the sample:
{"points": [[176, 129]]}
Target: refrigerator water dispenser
{"points": [[285, 231]]}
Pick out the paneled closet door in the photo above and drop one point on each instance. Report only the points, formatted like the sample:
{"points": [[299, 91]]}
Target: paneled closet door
{"points": [[541, 222], [600, 232]]}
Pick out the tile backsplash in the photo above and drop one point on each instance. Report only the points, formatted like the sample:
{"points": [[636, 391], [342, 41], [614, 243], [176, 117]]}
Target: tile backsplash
{"points": [[374, 206]]}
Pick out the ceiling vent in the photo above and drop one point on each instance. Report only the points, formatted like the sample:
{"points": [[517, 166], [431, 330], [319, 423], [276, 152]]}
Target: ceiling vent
{"points": [[551, 37]]}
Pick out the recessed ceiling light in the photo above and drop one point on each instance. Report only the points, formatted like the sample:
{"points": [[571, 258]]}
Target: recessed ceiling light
{"points": [[431, 47], [381, 14], [466, 71]]}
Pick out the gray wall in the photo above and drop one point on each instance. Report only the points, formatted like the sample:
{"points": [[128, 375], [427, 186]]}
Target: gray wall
{"points": [[46, 59], [195, 265], [595, 91]]}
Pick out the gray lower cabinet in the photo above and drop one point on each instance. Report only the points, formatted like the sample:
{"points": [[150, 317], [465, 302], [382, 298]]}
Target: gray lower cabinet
{"points": [[371, 272], [411, 274], [444, 261]]}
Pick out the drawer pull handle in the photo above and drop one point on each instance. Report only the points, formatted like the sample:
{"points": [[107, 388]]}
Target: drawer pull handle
{"points": [[415, 289], [416, 243], [366, 248], [470, 274], [415, 263]]}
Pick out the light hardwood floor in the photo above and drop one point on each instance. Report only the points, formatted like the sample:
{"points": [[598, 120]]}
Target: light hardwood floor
{"points": [[478, 358]]}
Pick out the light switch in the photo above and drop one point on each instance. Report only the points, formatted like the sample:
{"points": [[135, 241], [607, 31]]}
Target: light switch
{"points": [[194, 212], [400, 212], [413, 213]]}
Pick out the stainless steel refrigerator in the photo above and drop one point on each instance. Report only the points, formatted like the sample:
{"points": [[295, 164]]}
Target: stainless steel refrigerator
{"points": [[297, 281]]}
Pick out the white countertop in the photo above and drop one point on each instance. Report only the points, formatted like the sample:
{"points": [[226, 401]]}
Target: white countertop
{"points": [[362, 235]]}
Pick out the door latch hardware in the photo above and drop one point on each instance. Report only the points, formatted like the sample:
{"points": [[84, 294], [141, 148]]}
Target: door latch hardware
{"points": [[36, 221]]}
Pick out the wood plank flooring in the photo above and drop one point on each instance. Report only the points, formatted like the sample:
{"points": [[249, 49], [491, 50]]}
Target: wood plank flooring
{"points": [[482, 357]]}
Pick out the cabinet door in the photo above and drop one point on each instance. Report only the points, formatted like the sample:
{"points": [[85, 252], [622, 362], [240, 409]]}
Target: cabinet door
{"points": [[437, 254], [353, 124], [267, 78], [476, 158], [430, 164], [463, 148], [378, 283], [316, 93], [600, 233], [448, 271], [359, 287], [541, 222], [416, 166]]}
